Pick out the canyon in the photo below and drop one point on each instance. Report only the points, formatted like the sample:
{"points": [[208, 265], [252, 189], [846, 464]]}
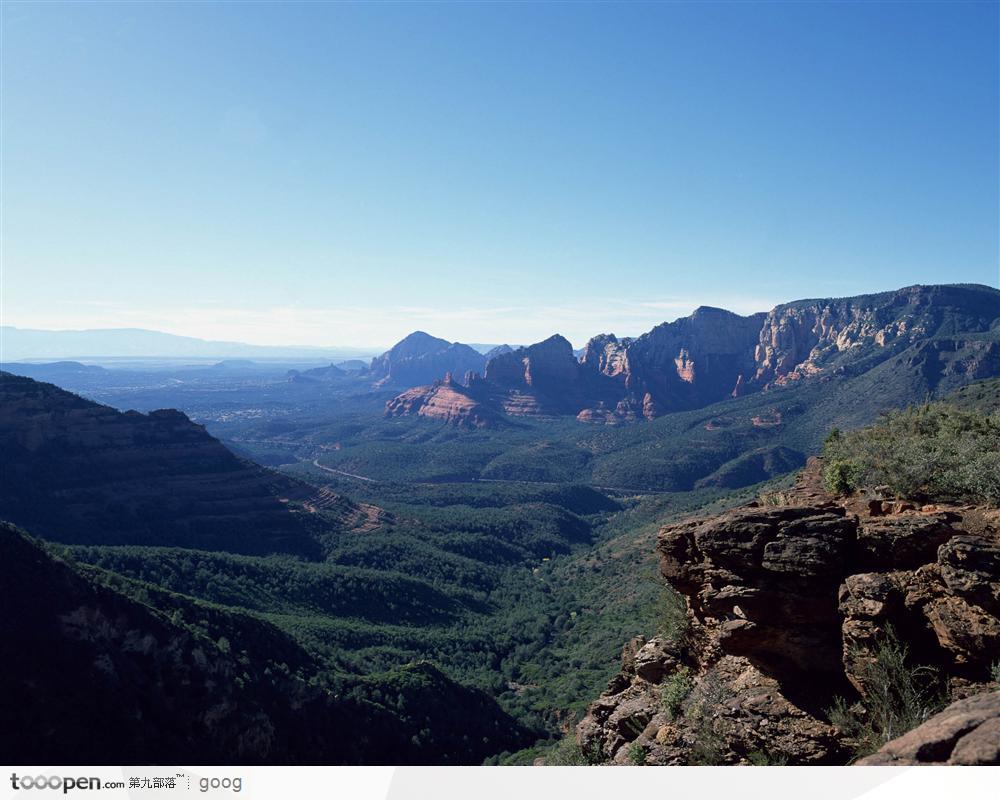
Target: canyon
{"points": [[488, 536]]}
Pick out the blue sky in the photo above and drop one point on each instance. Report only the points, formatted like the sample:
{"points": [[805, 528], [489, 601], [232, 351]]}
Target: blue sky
{"points": [[344, 173]]}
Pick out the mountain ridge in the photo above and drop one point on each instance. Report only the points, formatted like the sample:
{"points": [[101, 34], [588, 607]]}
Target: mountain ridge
{"points": [[713, 354], [77, 471]]}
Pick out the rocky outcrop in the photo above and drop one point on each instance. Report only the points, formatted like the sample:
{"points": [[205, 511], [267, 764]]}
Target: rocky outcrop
{"points": [[807, 590], [447, 401], [765, 580], [349, 516], [663, 708], [966, 733], [786, 603], [947, 608], [78, 472], [420, 359]]}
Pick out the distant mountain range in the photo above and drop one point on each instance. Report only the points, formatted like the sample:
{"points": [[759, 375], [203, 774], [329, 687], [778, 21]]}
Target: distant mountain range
{"points": [[947, 334], [17, 344], [417, 359]]}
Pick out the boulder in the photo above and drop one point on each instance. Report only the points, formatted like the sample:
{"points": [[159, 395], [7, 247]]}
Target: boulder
{"points": [[903, 541], [766, 579], [966, 733]]}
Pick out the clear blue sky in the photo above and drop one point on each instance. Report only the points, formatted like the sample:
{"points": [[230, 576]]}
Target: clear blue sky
{"points": [[341, 174]]}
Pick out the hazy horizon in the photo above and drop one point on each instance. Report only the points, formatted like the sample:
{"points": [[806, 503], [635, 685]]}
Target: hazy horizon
{"points": [[634, 318], [301, 174], [493, 335]]}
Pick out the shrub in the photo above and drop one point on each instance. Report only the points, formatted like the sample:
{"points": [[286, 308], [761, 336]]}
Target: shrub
{"points": [[763, 758], [672, 614], [702, 709], [566, 753], [636, 755], [841, 477], [898, 696], [933, 451], [674, 691]]}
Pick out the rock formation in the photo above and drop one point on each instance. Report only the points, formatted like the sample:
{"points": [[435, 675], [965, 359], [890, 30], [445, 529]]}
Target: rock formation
{"points": [[447, 401], [326, 374], [689, 363], [544, 378], [785, 603], [807, 337], [607, 354]]}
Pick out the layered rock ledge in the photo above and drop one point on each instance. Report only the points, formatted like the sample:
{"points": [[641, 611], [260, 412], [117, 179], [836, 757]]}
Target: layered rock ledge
{"points": [[785, 604]]}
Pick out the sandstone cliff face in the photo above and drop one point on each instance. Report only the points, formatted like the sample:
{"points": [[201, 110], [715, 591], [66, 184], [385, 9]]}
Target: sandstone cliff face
{"points": [[76, 471], [420, 359], [607, 354], [689, 363], [714, 354], [785, 603], [805, 338], [448, 402], [547, 364], [545, 378]]}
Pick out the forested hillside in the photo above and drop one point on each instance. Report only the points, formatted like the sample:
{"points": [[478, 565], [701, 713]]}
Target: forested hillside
{"points": [[111, 665]]}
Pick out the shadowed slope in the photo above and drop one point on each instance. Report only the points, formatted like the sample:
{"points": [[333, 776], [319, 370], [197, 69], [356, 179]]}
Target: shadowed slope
{"points": [[75, 471]]}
